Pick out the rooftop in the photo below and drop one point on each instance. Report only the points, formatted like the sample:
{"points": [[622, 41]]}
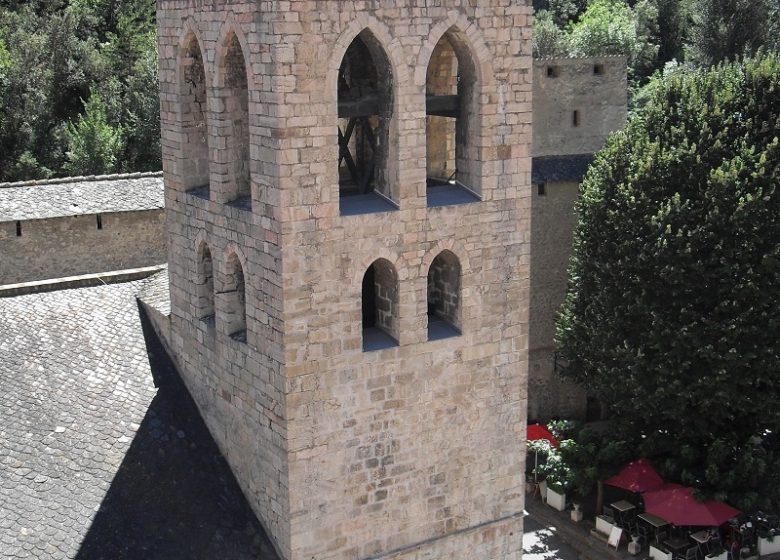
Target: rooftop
{"points": [[75, 196], [104, 453]]}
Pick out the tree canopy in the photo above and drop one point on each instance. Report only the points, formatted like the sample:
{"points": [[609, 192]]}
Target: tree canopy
{"points": [[53, 56], [671, 318]]}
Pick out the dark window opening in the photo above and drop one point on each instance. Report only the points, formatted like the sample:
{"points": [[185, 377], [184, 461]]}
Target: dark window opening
{"points": [[18, 229], [205, 286], [541, 189], [235, 300], [99, 220], [598, 69], [575, 118], [380, 306], [444, 316], [451, 162], [237, 113], [365, 112], [194, 140], [553, 72]]}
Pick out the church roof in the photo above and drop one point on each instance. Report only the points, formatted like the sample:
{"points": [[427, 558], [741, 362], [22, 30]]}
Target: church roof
{"points": [[76, 196], [104, 453]]}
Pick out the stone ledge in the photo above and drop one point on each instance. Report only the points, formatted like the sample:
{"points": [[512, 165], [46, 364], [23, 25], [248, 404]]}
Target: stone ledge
{"points": [[83, 281]]}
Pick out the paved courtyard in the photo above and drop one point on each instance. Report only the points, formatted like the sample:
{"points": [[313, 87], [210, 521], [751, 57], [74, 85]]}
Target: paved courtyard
{"points": [[103, 454], [541, 542]]}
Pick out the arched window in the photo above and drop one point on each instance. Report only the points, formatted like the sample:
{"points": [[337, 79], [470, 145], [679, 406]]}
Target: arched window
{"points": [[194, 138], [451, 164], [205, 285], [380, 306], [444, 317], [235, 299], [236, 105], [365, 107]]}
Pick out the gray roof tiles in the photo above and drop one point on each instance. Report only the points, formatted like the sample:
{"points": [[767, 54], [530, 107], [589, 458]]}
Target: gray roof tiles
{"points": [[76, 196], [104, 454]]}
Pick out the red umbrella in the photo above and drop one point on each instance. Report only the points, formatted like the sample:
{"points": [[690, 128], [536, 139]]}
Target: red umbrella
{"points": [[539, 431], [676, 504], [637, 476]]}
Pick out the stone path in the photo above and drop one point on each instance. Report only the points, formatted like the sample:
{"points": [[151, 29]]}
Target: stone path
{"points": [[541, 542], [103, 454]]}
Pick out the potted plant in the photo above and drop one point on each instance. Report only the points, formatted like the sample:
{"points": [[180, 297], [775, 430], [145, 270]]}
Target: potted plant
{"points": [[768, 544], [559, 477]]}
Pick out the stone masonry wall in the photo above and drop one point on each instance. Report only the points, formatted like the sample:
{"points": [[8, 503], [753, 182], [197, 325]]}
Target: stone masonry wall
{"points": [[73, 245], [552, 225], [410, 452], [593, 87], [424, 440]]}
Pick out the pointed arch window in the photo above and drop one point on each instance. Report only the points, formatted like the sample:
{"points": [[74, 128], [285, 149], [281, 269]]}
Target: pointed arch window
{"points": [[205, 285], [194, 128], [380, 306], [235, 299], [365, 107], [236, 107], [444, 295], [451, 109]]}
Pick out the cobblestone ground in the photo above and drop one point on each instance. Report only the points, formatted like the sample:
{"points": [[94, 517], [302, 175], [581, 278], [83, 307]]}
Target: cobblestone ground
{"points": [[95, 461]]}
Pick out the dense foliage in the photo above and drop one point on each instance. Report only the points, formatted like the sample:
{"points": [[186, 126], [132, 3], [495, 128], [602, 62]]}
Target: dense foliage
{"points": [[54, 55], [653, 33], [672, 318]]}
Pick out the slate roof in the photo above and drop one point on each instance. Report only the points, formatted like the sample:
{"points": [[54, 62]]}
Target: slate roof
{"points": [[103, 453], [81, 195], [560, 169]]}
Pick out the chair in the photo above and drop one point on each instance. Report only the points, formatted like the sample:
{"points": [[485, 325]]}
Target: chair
{"points": [[690, 554], [644, 533], [661, 536]]}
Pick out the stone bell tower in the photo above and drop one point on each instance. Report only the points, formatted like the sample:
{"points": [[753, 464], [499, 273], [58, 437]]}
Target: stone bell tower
{"points": [[348, 201]]}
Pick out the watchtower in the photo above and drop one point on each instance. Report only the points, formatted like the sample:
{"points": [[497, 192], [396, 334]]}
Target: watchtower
{"points": [[348, 200]]}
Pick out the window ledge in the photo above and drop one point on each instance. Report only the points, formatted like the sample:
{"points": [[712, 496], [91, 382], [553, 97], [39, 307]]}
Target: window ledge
{"points": [[210, 321], [242, 203], [377, 339], [370, 203], [449, 194], [200, 192], [439, 329], [239, 336]]}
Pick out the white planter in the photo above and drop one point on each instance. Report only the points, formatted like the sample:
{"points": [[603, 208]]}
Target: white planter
{"points": [[658, 554], [603, 526], [555, 500], [765, 546], [576, 515]]}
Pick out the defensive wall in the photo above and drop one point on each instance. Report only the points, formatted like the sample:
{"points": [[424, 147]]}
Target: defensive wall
{"points": [[577, 103], [75, 226]]}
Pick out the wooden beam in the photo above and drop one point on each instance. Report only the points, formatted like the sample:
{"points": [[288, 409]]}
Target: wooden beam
{"points": [[365, 106], [442, 105]]}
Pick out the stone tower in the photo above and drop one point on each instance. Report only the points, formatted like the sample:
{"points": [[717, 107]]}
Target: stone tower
{"points": [[348, 194]]}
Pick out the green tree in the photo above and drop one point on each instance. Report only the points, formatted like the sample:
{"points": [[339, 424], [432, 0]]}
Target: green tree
{"points": [[549, 40], [727, 29], [93, 144], [671, 317]]}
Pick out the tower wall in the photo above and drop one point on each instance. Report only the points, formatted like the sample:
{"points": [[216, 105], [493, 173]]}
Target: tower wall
{"points": [[412, 451]]}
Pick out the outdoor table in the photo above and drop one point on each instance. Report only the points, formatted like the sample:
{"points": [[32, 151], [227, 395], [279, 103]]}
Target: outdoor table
{"points": [[621, 507], [654, 521]]}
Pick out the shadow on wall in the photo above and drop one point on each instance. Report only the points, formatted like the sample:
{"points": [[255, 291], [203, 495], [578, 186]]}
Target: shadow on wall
{"points": [[174, 496]]}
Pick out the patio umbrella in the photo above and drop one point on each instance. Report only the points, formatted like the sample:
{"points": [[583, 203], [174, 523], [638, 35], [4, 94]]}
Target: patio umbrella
{"points": [[540, 431], [637, 476], [676, 504], [536, 432]]}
